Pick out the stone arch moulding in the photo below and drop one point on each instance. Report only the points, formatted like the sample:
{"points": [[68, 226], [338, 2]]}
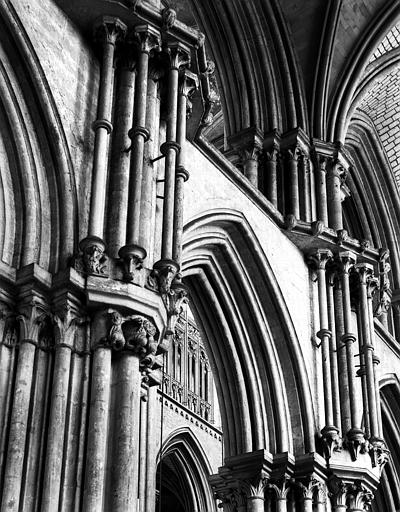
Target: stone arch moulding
{"points": [[260, 372], [388, 495], [250, 73], [186, 452], [36, 162]]}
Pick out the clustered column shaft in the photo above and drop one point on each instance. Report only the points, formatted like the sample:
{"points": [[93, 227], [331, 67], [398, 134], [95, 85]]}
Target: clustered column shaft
{"points": [[110, 29], [178, 56]]}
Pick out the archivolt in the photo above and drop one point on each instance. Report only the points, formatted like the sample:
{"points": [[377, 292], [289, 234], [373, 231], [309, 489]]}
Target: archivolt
{"points": [[37, 197], [184, 454], [388, 494], [255, 60], [259, 371]]}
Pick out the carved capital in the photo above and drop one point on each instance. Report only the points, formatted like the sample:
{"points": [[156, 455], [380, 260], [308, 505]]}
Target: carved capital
{"points": [[319, 259], [9, 326], [347, 260], [108, 30], [147, 38], [281, 488], [34, 321], [360, 497], [66, 320], [255, 487], [179, 55], [365, 271]]}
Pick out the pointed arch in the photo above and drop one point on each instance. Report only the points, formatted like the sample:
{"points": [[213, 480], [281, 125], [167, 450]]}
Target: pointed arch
{"points": [[38, 188], [259, 370], [186, 470]]}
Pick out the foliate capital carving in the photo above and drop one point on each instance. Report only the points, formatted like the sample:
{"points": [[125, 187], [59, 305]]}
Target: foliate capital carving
{"points": [[347, 260], [293, 153], [365, 271], [271, 155], [307, 487], [34, 319], [281, 488], [9, 333], [255, 487], [188, 83], [360, 497], [92, 259], [147, 38], [179, 55], [66, 321], [319, 259], [251, 151], [109, 29]]}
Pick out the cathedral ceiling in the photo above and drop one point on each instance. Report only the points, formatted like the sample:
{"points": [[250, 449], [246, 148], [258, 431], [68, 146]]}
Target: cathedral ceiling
{"points": [[284, 64]]}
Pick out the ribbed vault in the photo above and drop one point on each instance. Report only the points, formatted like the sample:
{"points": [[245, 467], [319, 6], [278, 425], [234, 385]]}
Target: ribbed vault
{"points": [[259, 371]]}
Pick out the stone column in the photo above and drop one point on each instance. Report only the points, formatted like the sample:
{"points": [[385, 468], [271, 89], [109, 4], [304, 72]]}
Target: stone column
{"points": [[334, 183], [305, 172], [254, 491], [365, 272], [292, 159], [119, 168], [319, 260], [331, 281], [271, 180], [188, 83], [133, 253], [281, 490], [32, 321], [322, 203], [138, 347], [371, 290], [98, 429], [348, 260], [341, 357], [109, 30], [65, 333]]}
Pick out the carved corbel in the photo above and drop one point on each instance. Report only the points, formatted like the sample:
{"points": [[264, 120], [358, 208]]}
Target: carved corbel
{"points": [[385, 290], [356, 443], [92, 260], [132, 257], [379, 453]]}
